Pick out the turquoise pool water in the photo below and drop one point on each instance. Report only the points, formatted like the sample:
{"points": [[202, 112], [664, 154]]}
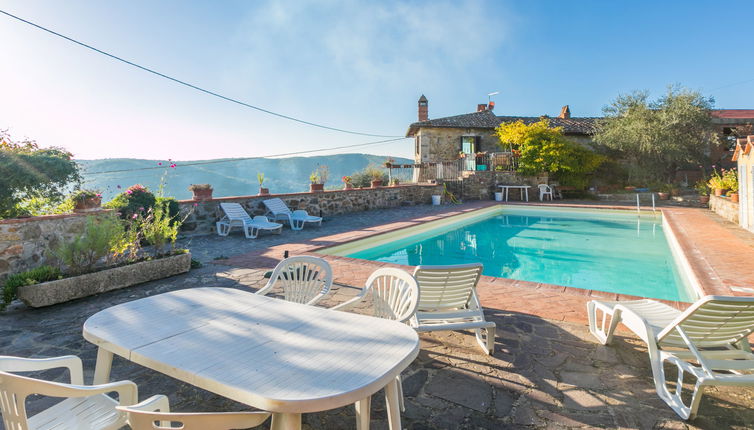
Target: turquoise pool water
{"points": [[601, 250]]}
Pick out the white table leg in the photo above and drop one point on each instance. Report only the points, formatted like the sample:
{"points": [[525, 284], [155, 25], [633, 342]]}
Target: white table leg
{"points": [[526, 190], [363, 410], [506, 193], [103, 366], [286, 421], [393, 408]]}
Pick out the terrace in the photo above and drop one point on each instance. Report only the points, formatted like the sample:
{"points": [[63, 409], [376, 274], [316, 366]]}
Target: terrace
{"points": [[547, 371]]}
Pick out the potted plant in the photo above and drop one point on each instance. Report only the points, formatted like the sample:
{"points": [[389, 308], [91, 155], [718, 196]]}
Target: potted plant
{"points": [[201, 191], [318, 178], [376, 175], [389, 162], [262, 191], [664, 191], [394, 182], [717, 183], [703, 189], [347, 183], [731, 183], [86, 200]]}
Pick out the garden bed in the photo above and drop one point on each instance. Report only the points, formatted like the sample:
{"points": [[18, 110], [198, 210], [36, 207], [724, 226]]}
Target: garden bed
{"points": [[63, 290]]}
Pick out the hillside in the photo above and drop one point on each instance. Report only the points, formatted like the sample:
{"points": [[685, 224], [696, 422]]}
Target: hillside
{"points": [[231, 178]]}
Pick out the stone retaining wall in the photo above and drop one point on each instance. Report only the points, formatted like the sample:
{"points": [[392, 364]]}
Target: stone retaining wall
{"points": [[724, 207], [24, 242], [203, 215]]}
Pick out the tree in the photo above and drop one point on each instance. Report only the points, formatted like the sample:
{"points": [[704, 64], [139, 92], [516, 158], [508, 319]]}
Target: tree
{"points": [[541, 148], [29, 172], [656, 138]]}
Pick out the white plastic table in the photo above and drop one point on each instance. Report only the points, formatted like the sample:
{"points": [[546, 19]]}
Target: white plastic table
{"points": [[274, 355], [524, 190]]}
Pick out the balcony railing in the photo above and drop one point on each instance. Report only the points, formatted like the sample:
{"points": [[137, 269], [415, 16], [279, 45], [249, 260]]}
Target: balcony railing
{"points": [[453, 170]]}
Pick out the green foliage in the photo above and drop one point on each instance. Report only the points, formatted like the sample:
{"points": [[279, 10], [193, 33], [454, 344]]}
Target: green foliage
{"points": [[30, 277], [730, 180], [83, 194], [158, 228], [541, 148], [702, 187], [658, 137], [172, 206], [364, 178], [101, 235], [260, 178], [716, 180], [136, 200], [29, 172]]}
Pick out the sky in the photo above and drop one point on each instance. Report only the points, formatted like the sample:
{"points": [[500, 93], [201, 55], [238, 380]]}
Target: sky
{"points": [[356, 65]]}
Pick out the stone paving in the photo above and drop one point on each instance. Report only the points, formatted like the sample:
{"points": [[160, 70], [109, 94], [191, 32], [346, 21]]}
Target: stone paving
{"points": [[544, 373]]}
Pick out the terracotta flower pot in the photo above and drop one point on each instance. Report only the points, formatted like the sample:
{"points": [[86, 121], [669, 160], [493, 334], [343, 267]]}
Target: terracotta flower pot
{"points": [[88, 204], [264, 191], [347, 186], [733, 197], [719, 192], [376, 184], [629, 188], [316, 188], [704, 200], [202, 195], [663, 196]]}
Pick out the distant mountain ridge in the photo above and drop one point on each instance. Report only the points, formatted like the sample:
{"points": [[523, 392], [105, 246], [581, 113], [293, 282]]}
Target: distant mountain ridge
{"points": [[234, 177]]}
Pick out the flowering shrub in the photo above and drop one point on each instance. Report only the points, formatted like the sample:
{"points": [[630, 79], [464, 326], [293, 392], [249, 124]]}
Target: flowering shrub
{"points": [[135, 200], [716, 180], [347, 179]]}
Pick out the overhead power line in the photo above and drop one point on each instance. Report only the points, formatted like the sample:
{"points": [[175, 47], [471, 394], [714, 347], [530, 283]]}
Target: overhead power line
{"points": [[230, 160], [212, 93]]}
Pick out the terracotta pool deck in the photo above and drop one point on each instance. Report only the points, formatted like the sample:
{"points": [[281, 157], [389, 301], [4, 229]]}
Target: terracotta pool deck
{"points": [[707, 243]]}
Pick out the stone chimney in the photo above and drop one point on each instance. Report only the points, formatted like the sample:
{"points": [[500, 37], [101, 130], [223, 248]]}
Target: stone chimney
{"points": [[565, 112], [491, 106], [481, 107], [423, 108]]}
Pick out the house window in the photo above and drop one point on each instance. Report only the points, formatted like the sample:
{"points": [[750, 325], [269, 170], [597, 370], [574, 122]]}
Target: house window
{"points": [[416, 145], [469, 144]]}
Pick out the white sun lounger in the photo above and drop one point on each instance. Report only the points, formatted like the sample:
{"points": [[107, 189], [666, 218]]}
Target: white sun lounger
{"points": [[711, 333], [448, 301], [235, 215], [278, 210]]}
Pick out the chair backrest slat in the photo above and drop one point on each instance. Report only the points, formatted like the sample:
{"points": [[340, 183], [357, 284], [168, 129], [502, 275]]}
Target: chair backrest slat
{"points": [[277, 206], [446, 287], [714, 320], [395, 294], [235, 211], [302, 278]]}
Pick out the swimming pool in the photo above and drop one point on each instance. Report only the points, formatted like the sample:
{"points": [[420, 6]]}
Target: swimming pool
{"points": [[605, 250]]}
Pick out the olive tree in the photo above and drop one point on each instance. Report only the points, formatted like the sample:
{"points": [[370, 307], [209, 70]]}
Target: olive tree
{"points": [[658, 137], [30, 172]]}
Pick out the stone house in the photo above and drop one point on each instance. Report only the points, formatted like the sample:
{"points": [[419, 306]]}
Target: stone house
{"points": [[444, 139]]}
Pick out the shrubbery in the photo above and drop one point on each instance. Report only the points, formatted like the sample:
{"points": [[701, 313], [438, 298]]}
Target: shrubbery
{"points": [[28, 172], [363, 178], [30, 277]]}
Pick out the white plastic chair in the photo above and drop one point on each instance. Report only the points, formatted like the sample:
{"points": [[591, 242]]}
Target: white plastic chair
{"points": [[154, 414], [448, 301], [712, 333], [395, 296], [304, 279], [85, 406], [236, 215], [544, 191], [278, 210]]}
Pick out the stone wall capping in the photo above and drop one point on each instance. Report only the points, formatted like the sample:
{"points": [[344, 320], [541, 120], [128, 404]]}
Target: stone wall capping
{"points": [[43, 218]]}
